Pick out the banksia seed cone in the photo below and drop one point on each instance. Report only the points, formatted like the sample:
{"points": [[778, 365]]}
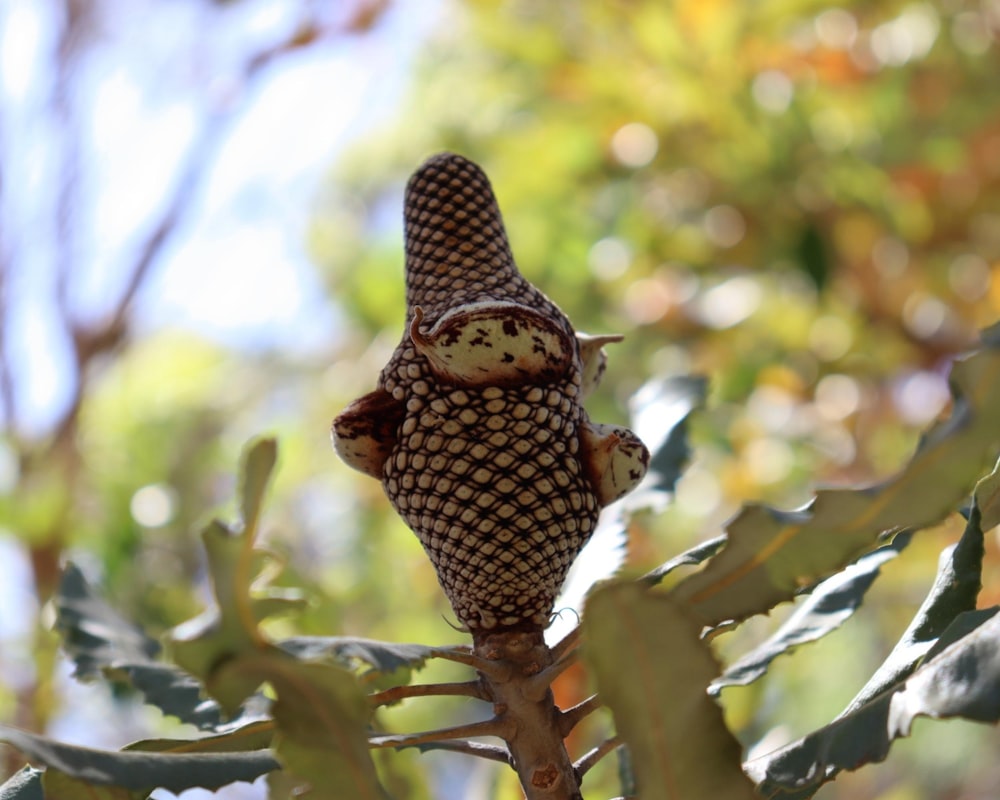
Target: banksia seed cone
{"points": [[477, 429]]}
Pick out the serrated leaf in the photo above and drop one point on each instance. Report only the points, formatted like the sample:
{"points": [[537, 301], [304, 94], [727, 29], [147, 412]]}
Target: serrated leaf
{"points": [[102, 642], [772, 553], [256, 468], [652, 670], [230, 627], [321, 715], [377, 658], [175, 772], [987, 497], [94, 635], [824, 610], [955, 590], [254, 736], [23, 785], [689, 558], [961, 680]]}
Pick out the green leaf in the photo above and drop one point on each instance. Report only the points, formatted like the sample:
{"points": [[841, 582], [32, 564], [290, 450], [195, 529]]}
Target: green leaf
{"points": [[689, 558], [322, 717], [256, 468], [93, 634], [824, 610], [59, 786], [962, 679], [230, 628], [23, 785], [378, 659], [137, 770], [102, 642], [771, 553], [652, 670], [955, 590]]}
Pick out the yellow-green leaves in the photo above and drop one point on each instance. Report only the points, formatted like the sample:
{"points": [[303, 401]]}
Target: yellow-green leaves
{"points": [[773, 553], [320, 711], [652, 670]]}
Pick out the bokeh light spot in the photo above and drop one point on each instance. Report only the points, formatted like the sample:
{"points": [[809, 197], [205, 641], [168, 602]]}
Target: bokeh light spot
{"points": [[837, 397], [836, 28], [724, 226], [773, 91], [830, 338], [647, 300], [698, 491], [729, 303], [890, 257], [971, 33], [609, 258], [154, 505], [635, 144], [920, 396], [969, 277], [769, 459], [924, 315]]}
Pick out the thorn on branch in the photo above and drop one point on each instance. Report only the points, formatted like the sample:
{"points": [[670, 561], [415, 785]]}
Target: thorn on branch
{"points": [[569, 718], [490, 727], [591, 757], [398, 693]]}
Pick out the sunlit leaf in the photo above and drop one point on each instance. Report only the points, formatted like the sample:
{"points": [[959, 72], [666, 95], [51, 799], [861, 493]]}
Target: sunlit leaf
{"points": [[256, 469], [652, 670], [689, 558], [230, 627], [824, 610], [771, 553]]}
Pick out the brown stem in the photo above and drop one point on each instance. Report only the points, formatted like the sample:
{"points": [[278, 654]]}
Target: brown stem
{"points": [[534, 738], [569, 642], [538, 685], [495, 669]]}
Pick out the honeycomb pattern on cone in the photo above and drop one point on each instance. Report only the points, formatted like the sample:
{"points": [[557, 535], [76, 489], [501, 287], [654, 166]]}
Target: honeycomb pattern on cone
{"points": [[456, 253], [491, 483], [476, 428]]}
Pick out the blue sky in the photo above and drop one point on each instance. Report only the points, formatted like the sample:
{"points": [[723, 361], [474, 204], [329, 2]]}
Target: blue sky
{"points": [[236, 268]]}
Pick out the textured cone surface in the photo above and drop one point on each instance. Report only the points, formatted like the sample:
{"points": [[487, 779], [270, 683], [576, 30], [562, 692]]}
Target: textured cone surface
{"points": [[486, 464]]}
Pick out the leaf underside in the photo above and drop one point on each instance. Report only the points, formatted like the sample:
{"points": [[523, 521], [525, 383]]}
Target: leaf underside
{"points": [[652, 669]]}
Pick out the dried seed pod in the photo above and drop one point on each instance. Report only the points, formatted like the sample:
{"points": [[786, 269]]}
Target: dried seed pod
{"points": [[493, 344], [365, 433], [477, 429], [615, 459]]}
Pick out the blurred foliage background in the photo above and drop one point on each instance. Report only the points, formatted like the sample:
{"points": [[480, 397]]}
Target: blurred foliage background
{"points": [[798, 199]]}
